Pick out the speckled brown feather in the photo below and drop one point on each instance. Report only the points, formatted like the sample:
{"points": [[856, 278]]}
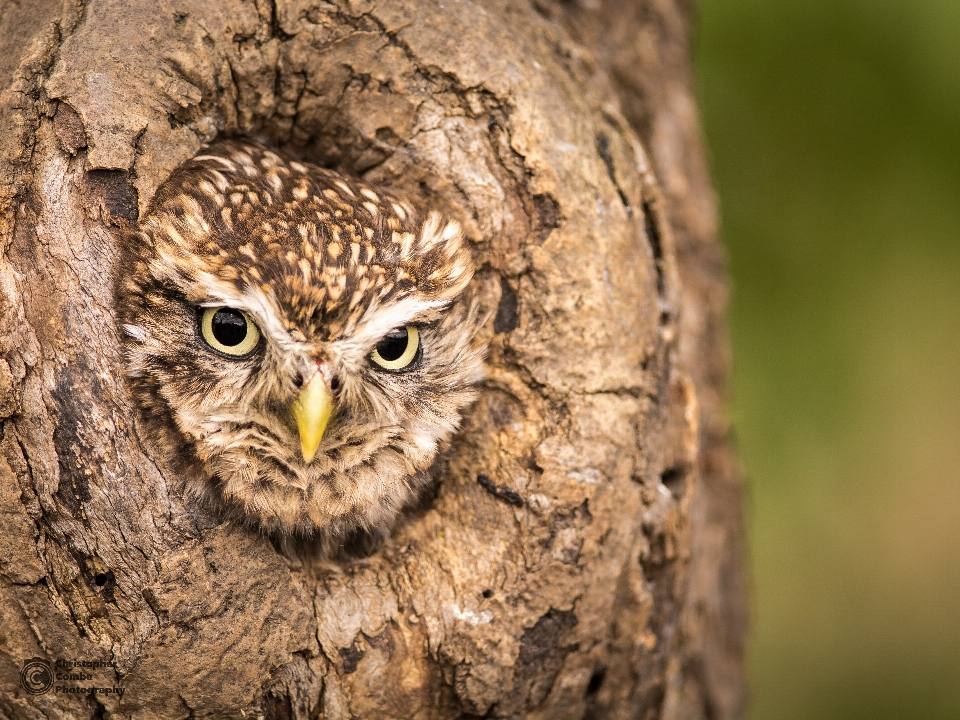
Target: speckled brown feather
{"points": [[327, 266]]}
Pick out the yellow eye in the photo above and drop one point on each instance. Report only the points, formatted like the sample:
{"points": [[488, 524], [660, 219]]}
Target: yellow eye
{"points": [[399, 350], [229, 331]]}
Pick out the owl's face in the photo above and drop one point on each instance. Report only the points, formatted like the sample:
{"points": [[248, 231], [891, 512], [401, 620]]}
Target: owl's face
{"points": [[296, 338]]}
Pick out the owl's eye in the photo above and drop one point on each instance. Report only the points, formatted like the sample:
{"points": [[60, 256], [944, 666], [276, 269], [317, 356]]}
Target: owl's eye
{"points": [[229, 331], [399, 350]]}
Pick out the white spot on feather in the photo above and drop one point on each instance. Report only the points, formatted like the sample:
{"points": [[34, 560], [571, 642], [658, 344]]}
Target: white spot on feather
{"points": [[137, 332], [206, 158], [343, 186]]}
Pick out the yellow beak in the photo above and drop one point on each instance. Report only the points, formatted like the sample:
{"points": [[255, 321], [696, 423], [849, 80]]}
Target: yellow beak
{"points": [[312, 410]]}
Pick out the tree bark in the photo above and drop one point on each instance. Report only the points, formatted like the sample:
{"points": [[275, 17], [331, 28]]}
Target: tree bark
{"points": [[581, 556]]}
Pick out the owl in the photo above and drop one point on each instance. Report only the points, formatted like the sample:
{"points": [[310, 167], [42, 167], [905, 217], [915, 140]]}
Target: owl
{"points": [[298, 341]]}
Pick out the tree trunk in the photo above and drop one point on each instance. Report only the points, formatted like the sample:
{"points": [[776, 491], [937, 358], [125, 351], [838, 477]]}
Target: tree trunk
{"points": [[581, 557]]}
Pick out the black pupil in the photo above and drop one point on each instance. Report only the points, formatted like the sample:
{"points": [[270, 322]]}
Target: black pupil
{"points": [[229, 327], [393, 345]]}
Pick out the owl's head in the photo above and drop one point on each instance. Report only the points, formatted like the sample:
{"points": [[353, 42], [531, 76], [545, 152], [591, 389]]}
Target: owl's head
{"points": [[298, 339]]}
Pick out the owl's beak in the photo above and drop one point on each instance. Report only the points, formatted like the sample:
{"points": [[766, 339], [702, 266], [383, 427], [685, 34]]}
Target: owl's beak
{"points": [[312, 410]]}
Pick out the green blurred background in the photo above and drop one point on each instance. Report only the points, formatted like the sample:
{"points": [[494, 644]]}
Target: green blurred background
{"points": [[834, 132]]}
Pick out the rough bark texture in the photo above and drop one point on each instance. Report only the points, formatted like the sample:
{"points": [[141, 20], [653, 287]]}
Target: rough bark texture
{"points": [[581, 557]]}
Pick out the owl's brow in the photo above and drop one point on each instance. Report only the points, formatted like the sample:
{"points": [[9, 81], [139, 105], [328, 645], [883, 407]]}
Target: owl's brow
{"points": [[380, 320], [265, 310]]}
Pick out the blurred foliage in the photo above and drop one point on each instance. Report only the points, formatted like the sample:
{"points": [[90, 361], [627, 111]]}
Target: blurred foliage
{"points": [[834, 131]]}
